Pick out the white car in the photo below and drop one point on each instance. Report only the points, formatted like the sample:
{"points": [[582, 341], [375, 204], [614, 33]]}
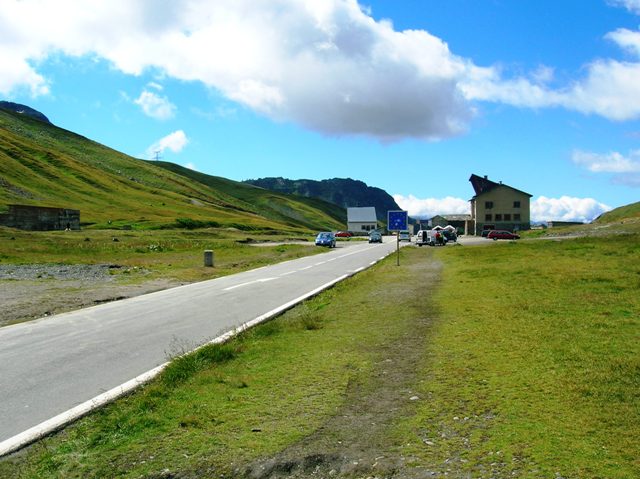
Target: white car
{"points": [[404, 236]]}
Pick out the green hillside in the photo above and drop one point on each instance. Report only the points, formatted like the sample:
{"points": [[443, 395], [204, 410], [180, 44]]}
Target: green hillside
{"points": [[621, 213], [275, 206], [44, 165]]}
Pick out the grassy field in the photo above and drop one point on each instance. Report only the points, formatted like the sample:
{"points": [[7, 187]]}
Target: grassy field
{"points": [[528, 367], [534, 368], [151, 254]]}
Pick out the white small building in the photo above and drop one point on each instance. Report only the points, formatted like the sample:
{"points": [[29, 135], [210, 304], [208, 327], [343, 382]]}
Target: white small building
{"points": [[362, 220]]}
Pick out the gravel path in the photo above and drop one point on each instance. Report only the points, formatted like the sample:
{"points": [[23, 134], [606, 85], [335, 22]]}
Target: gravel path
{"points": [[29, 292]]}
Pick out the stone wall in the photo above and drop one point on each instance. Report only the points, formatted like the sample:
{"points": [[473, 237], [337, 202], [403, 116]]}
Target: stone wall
{"points": [[40, 218]]}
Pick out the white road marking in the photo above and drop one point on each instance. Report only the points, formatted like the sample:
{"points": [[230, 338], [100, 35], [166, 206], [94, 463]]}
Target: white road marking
{"points": [[264, 280], [288, 273], [308, 267]]}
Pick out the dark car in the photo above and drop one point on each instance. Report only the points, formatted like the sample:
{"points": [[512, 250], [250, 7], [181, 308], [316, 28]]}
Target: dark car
{"points": [[502, 234], [326, 238], [375, 237], [344, 234]]}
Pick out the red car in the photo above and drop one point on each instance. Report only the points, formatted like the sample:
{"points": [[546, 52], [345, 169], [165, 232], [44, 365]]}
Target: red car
{"points": [[344, 234], [502, 234]]}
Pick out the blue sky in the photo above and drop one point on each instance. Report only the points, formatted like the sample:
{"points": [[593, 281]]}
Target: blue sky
{"points": [[412, 96]]}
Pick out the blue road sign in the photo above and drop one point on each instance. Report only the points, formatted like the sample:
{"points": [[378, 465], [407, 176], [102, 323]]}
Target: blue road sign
{"points": [[397, 220]]}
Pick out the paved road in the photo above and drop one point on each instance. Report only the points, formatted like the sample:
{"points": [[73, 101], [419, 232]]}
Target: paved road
{"points": [[51, 365]]}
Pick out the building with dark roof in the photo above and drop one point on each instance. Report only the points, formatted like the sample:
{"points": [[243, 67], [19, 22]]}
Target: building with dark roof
{"points": [[498, 206]]}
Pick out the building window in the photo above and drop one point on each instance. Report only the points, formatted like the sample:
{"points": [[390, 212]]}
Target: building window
{"points": [[487, 217], [498, 217], [488, 205], [507, 217], [516, 204], [516, 217]]}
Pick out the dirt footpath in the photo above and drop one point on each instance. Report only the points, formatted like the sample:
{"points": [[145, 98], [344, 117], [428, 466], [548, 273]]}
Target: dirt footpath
{"points": [[355, 442]]}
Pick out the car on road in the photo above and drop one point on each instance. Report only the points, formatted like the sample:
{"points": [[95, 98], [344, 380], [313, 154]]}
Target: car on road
{"points": [[344, 234], [404, 236], [375, 237], [326, 238], [502, 234]]}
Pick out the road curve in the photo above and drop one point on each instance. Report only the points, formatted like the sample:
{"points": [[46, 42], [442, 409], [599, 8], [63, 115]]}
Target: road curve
{"points": [[52, 365]]}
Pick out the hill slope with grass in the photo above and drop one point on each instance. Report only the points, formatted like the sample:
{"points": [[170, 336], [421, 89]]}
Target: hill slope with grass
{"points": [[44, 165], [279, 207], [621, 213]]}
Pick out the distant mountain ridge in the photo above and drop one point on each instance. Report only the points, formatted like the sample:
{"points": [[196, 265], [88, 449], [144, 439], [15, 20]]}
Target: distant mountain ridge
{"points": [[23, 110], [344, 192]]}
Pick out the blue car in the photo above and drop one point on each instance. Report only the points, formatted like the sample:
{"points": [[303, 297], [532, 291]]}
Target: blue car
{"points": [[326, 239]]}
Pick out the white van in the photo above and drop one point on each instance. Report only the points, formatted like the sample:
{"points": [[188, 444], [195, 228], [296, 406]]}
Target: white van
{"points": [[428, 237]]}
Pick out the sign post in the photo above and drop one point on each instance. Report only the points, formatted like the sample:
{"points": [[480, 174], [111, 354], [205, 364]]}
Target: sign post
{"points": [[397, 221]]}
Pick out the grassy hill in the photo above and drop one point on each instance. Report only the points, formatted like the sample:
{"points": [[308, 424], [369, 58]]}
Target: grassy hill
{"points": [[279, 207], [619, 214], [44, 165]]}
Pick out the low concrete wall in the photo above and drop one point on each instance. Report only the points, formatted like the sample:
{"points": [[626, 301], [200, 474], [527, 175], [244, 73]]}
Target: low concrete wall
{"points": [[40, 218]]}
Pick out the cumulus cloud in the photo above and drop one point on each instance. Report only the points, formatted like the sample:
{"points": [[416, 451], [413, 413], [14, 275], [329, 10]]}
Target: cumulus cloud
{"points": [[631, 5], [625, 169], [326, 65], [566, 208], [612, 162], [174, 142], [154, 105], [429, 207]]}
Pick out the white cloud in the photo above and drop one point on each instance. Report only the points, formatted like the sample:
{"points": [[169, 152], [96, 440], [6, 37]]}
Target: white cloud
{"points": [[625, 169], [324, 64], [612, 162], [174, 142], [566, 208], [631, 5], [155, 106], [429, 207]]}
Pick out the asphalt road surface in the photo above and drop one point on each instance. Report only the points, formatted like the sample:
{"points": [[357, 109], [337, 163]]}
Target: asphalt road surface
{"points": [[54, 364]]}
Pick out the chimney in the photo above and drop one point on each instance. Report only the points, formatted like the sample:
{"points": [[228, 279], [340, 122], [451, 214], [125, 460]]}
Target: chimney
{"points": [[485, 177]]}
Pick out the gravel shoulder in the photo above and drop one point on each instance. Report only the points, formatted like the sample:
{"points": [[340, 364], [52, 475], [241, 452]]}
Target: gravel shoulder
{"points": [[34, 291]]}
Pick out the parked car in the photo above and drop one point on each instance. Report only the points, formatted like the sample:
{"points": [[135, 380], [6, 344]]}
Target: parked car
{"points": [[326, 238], [375, 237], [344, 234], [502, 234], [404, 236], [450, 235], [485, 233]]}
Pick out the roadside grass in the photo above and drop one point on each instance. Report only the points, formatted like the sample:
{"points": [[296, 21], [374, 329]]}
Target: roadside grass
{"points": [[533, 370], [152, 254], [224, 406]]}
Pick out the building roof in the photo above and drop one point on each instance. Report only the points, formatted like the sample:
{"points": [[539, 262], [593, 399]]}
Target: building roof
{"points": [[483, 185], [366, 214], [456, 217]]}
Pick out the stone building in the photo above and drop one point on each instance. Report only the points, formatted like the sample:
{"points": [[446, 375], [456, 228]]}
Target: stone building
{"points": [[40, 218], [498, 206]]}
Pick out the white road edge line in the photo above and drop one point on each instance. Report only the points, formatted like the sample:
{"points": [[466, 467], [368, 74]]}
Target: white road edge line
{"points": [[49, 426]]}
